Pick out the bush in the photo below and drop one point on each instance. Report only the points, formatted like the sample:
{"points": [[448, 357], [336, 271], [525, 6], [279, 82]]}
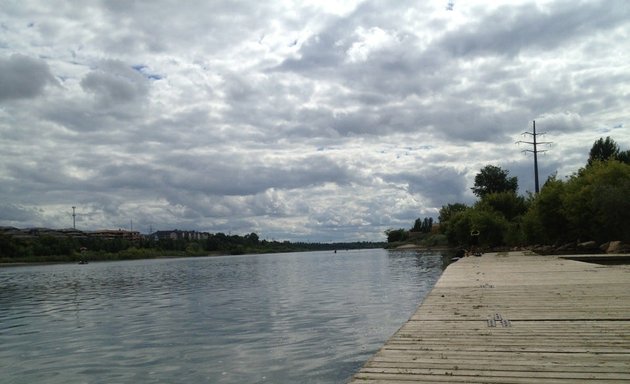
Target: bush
{"points": [[491, 225], [396, 235]]}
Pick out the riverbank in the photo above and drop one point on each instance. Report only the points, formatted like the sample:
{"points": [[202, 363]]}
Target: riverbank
{"points": [[88, 257], [515, 317]]}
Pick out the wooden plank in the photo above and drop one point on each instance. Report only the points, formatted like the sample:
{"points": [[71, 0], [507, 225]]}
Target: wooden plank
{"points": [[566, 321]]}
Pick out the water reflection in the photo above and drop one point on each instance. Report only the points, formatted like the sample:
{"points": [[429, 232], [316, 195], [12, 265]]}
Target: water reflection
{"points": [[308, 317]]}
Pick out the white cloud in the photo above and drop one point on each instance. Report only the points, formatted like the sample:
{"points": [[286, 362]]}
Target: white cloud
{"points": [[297, 120], [369, 41]]}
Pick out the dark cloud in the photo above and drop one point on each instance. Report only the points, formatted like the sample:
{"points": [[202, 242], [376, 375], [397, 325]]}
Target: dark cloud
{"points": [[115, 83], [438, 185], [22, 77], [12, 213], [510, 30]]}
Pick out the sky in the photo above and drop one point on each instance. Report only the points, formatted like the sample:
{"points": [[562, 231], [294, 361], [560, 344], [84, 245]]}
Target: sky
{"points": [[312, 120]]}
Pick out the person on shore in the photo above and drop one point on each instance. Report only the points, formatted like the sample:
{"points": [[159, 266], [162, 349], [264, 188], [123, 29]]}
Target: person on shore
{"points": [[474, 243]]}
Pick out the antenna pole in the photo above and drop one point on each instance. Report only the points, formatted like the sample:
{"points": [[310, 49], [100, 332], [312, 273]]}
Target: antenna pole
{"points": [[74, 222], [535, 151], [535, 160]]}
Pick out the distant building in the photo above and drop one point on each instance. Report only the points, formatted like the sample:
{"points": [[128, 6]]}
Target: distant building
{"points": [[111, 234], [106, 234], [177, 234]]}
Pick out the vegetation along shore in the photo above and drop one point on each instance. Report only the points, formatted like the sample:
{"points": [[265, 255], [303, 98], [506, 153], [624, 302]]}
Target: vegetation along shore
{"points": [[588, 212], [43, 245]]}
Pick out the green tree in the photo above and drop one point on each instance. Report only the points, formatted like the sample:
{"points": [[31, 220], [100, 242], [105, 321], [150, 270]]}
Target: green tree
{"points": [[427, 225], [395, 235], [423, 226], [624, 156], [596, 202], [493, 179], [8, 246], [447, 211], [509, 204], [603, 150], [417, 225], [252, 238], [491, 225], [546, 220]]}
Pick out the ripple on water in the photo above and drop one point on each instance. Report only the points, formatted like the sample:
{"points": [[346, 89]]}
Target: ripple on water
{"points": [[309, 318]]}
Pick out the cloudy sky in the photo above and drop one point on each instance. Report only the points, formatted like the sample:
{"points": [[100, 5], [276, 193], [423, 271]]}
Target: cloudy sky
{"points": [[308, 120]]}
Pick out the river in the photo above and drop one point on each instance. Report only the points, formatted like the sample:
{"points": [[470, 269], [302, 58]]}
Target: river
{"points": [[312, 317]]}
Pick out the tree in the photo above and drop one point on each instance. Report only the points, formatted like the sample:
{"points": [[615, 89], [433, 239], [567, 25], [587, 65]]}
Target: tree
{"points": [[491, 225], [394, 235], [596, 202], [509, 204], [493, 179], [423, 226], [447, 211], [546, 221], [252, 238], [603, 150], [624, 156], [427, 225]]}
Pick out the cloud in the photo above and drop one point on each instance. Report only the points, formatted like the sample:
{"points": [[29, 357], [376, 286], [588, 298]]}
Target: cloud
{"points": [[437, 186], [22, 77], [512, 30], [115, 83], [300, 121], [16, 214]]}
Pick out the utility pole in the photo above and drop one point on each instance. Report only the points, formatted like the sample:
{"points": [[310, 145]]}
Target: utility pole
{"points": [[74, 222], [535, 151]]}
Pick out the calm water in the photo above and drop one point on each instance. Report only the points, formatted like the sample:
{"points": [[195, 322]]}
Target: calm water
{"points": [[302, 318]]}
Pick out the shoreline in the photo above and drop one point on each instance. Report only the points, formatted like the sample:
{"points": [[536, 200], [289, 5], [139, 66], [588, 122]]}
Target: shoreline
{"points": [[417, 247], [155, 257]]}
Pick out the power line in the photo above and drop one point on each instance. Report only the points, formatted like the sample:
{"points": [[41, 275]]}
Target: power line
{"points": [[535, 151]]}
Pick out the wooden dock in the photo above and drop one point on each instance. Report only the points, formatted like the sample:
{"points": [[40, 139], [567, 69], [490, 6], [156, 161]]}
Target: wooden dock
{"points": [[514, 318]]}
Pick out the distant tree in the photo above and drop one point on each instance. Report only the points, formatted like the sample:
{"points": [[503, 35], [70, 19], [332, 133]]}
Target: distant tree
{"points": [[491, 225], [394, 235], [624, 156], [8, 246], [417, 226], [603, 150], [447, 211], [252, 238], [493, 179], [509, 204], [427, 225], [423, 226]]}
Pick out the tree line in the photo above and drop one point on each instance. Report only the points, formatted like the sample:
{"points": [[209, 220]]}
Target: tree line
{"points": [[592, 204], [55, 248]]}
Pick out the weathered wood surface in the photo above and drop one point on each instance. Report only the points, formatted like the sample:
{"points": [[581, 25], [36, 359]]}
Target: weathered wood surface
{"points": [[514, 318]]}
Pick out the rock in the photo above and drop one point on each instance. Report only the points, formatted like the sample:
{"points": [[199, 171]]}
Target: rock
{"points": [[566, 247], [614, 247], [547, 249], [587, 245]]}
